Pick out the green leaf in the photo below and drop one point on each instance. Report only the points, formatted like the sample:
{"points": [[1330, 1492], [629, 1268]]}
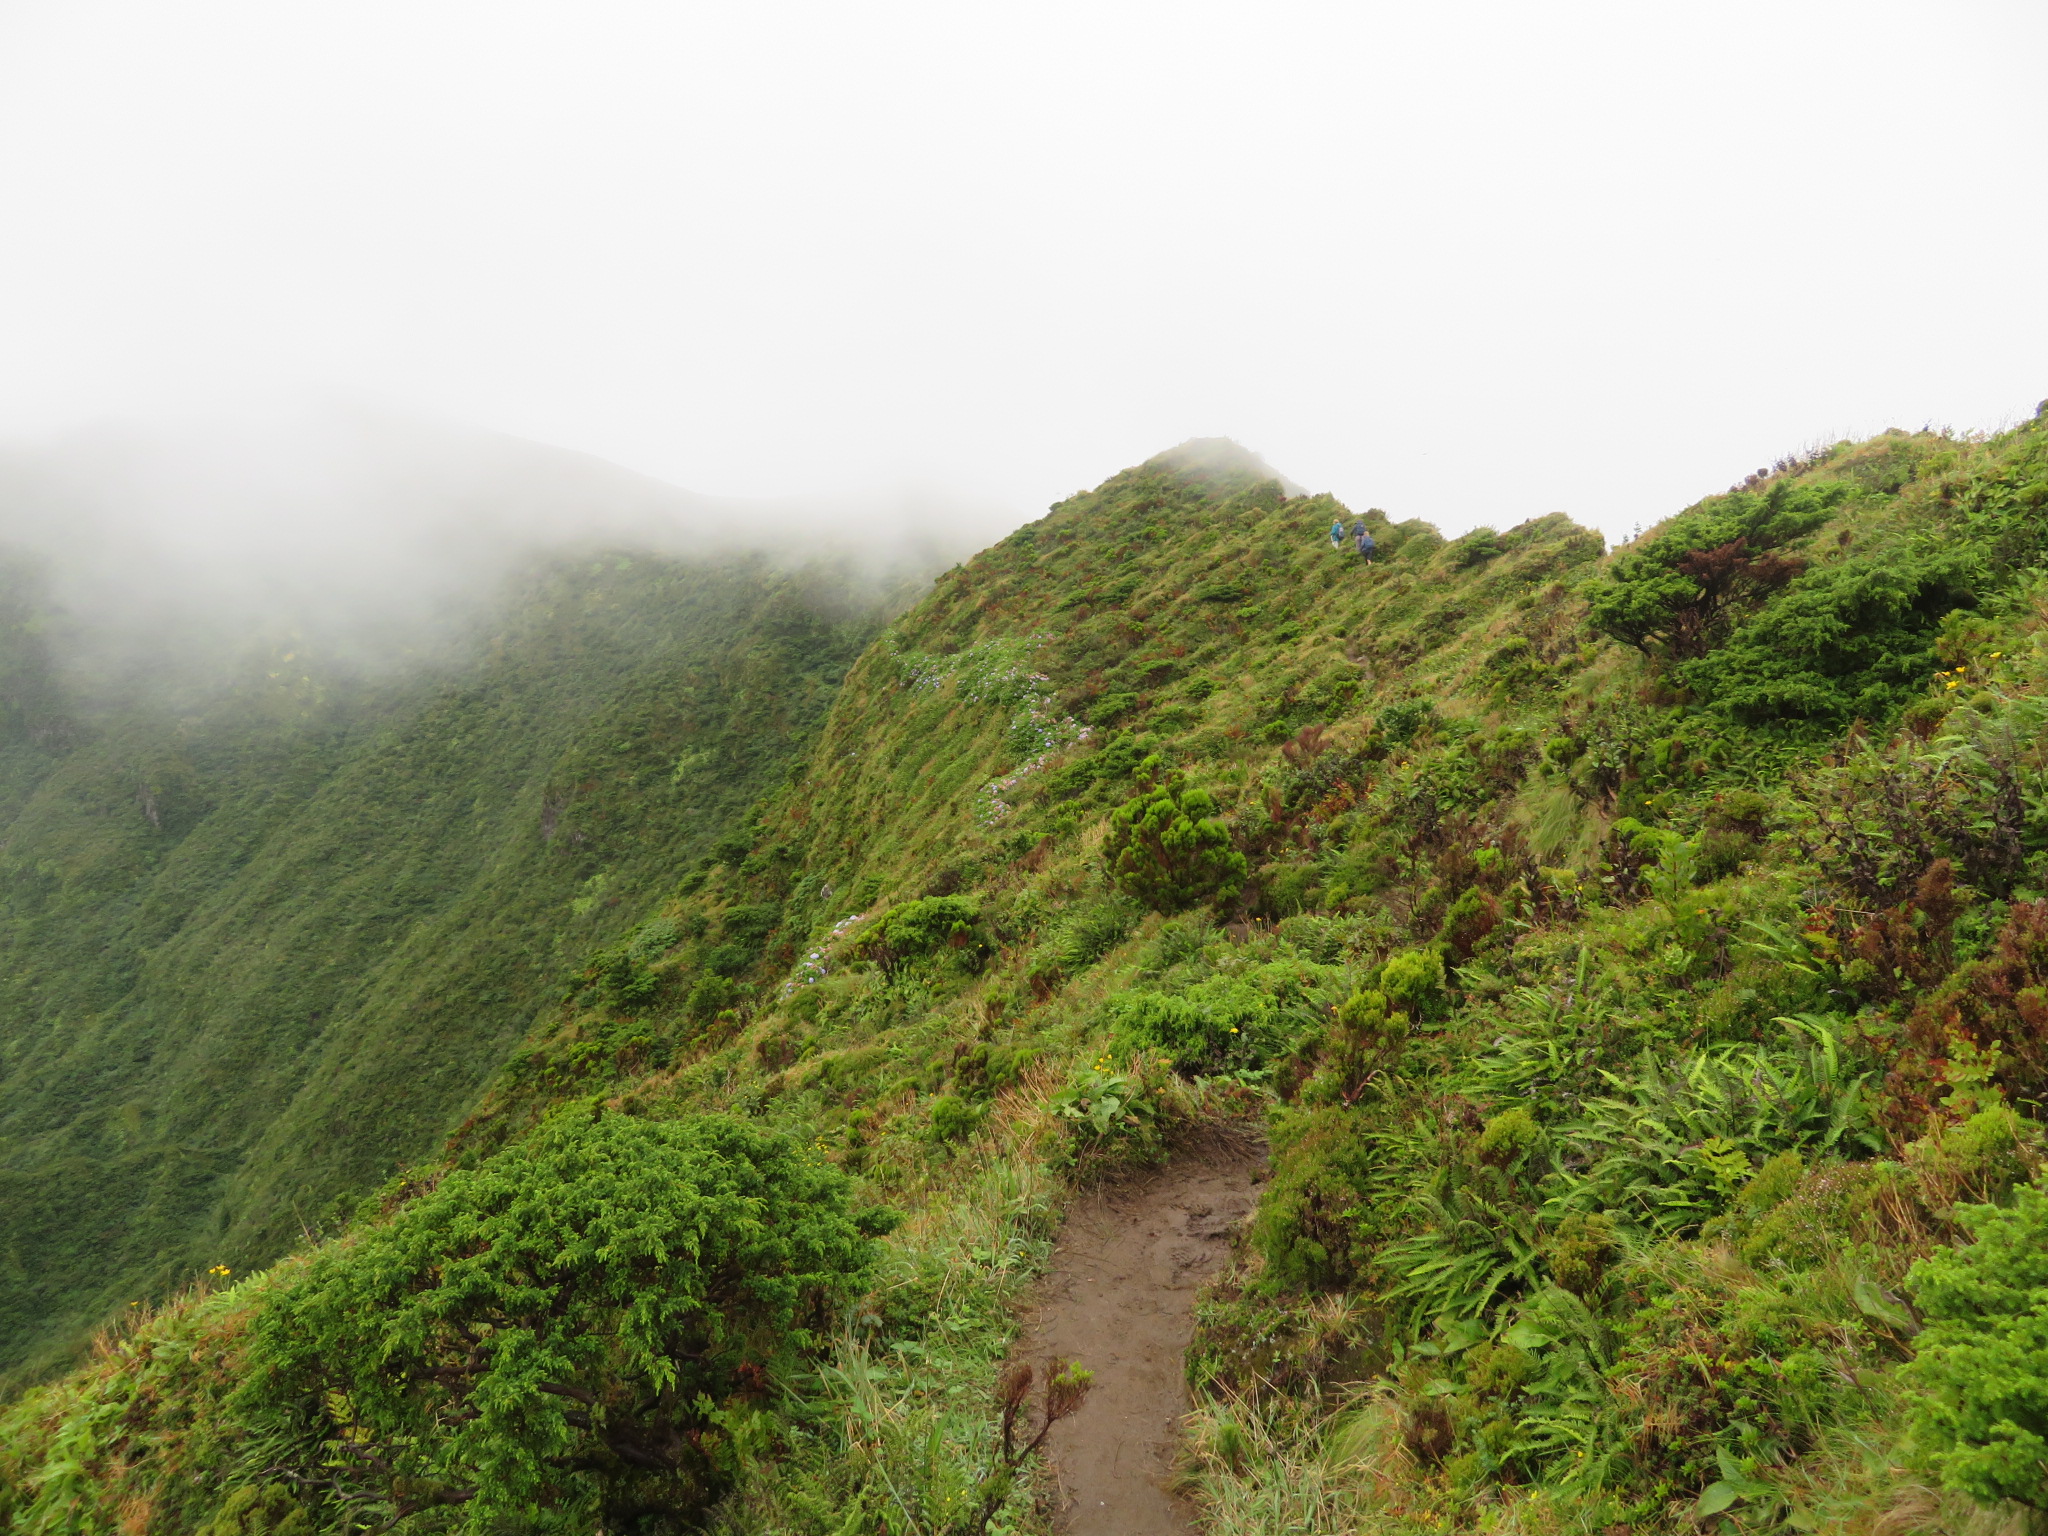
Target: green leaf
{"points": [[1874, 1302], [1463, 1334], [1715, 1498], [1528, 1336]]}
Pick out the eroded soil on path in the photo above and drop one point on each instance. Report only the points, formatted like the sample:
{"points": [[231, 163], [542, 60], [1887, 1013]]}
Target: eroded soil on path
{"points": [[1119, 1300]]}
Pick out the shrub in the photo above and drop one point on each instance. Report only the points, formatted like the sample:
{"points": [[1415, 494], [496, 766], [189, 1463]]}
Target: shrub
{"points": [[1791, 1216], [981, 1071], [558, 1339], [1166, 848], [1413, 980], [1848, 640], [1744, 811], [1402, 723], [1219, 1025], [1475, 548], [1770, 1186], [1980, 1382], [1468, 921], [1087, 931], [622, 979], [1722, 850], [1982, 1158], [1107, 709], [1510, 1137], [1363, 1035], [953, 1118], [751, 924], [1998, 1003], [734, 846], [709, 994], [1308, 1225], [731, 959], [920, 927], [1673, 593], [1582, 1249], [653, 939]]}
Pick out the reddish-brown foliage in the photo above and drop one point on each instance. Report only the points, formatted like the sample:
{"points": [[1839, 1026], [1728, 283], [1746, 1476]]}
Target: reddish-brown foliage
{"points": [[1997, 1003], [1908, 946]]}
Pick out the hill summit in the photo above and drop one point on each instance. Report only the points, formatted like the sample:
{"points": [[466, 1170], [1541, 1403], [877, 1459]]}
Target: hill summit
{"points": [[1216, 458]]}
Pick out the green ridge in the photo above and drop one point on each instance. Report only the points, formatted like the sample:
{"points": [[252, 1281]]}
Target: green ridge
{"points": [[1636, 961]]}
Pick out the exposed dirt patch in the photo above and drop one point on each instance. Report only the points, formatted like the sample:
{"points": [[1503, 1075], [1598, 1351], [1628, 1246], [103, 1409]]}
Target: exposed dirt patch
{"points": [[1119, 1300]]}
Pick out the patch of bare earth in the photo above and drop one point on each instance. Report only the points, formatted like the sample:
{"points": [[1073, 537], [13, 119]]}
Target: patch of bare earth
{"points": [[1119, 1300]]}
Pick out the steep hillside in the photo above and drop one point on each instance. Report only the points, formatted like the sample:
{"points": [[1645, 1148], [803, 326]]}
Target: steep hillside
{"points": [[257, 951], [1636, 962]]}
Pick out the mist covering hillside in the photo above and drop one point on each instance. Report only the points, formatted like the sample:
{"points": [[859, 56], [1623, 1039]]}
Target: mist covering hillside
{"points": [[1634, 960], [368, 538]]}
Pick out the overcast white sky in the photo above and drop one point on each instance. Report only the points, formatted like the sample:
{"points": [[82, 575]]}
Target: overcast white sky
{"points": [[1472, 262]]}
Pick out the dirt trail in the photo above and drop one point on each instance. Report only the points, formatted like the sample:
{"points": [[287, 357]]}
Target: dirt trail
{"points": [[1119, 1300]]}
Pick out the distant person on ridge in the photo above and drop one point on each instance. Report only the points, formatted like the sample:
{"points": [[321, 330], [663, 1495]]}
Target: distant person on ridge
{"points": [[1365, 543], [1336, 534]]}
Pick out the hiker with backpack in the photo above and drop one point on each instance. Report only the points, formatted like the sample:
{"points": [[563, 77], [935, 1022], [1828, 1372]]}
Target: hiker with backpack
{"points": [[1337, 534], [1364, 541]]}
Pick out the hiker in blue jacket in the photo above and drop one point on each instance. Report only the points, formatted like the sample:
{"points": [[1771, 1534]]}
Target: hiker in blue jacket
{"points": [[1337, 535], [1364, 541]]}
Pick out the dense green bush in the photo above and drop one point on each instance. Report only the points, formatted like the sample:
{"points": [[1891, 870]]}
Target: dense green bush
{"points": [[709, 994], [1413, 980], [1843, 641], [1309, 1226], [1362, 1037], [1088, 930], [563, 1338], [1402, 723], [1475, 548], [920, 927], [1673, 593], [1218, 1025], [621, 979], [953, 1118], [1167, 849], [1980, 1380]]}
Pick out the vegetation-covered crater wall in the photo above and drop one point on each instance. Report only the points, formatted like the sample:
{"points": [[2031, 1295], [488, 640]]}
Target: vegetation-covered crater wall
{"points": [[258, 949]]}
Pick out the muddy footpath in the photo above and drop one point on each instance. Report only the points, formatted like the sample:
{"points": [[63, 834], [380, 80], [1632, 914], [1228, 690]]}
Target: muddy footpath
{"points": [[1119, 1300]]}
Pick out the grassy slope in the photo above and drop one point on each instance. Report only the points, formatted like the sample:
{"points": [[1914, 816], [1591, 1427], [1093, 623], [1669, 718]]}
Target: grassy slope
{"points": [[1435, 757], [256, 958]]}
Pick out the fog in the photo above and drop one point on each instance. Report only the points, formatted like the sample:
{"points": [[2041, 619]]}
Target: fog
{"points": [[1470, 262], [186, 543]]}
